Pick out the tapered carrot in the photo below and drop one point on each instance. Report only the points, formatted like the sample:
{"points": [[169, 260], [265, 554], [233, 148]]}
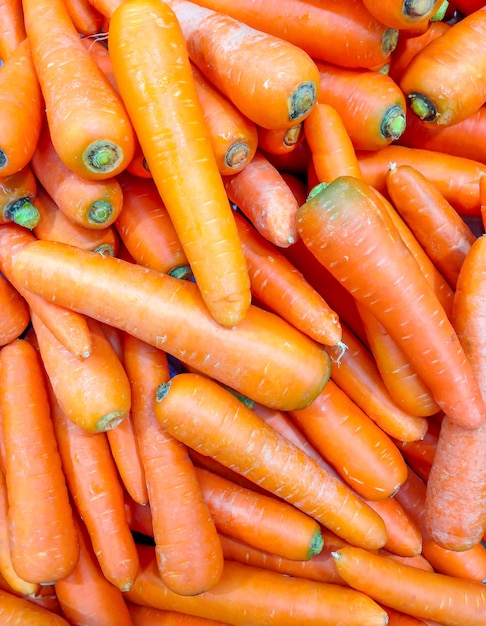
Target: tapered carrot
{"points": [[70, 328], [311, 488], [86, 596], [15, 609], [86, 19], [443, 81], [280, 140], [97, 493], [345, 215], [456, 177], [344, 33], [449, 600], [178, 153], [146, 228], [21, 110], [15, 312], [87, 120], [440, 230], [403, 15], [420, 454], [189, 555], [42, 536], [233, 136], [11, 27], [148, 616], [282, 288], [363, 455], [89, 203], [264, 357], [17, 193], [106, 7]]}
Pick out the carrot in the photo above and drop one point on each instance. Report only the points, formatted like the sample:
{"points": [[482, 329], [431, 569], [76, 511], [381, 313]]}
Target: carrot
{"points": [[440, 230], [363, 455], [404, 537], [456, 177], [280, 140], [97, 493], [370, 103], [145, 226], [148, 616], [420, 454], [403, 14], [182, 164], [106, 7], [42, 536], [233, 136], [15, 609], [443, 81], [264, 357], [276, 599], [264, 197], [283, 289], [417, 561], [344, 33], [346, 215], [189, 555], [308, 487], [332, 150], [17, 193], [88, 123], [100, 603], [89, 203], [70, 328], [416, 592], [86, 19], [138, 165], [20, 124], [226, 59], [12, 27], [15, 312]]}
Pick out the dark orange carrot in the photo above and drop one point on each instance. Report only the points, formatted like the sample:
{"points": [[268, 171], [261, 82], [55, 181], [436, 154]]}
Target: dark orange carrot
{"points": [[18, 609], [42, 536], [17, 193], [12, 27], [15, 312], [294, 162]]}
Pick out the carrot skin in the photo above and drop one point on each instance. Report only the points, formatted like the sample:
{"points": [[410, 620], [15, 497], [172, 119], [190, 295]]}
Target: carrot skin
{"points": [[15, 312], [12, 27], [18, 610]]}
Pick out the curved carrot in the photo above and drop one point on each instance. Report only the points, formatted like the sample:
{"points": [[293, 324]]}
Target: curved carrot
{"points": [[264, 357], [280, 140], [86, 18], [148, 616], [283, 289], [416, 592], [307, 486], [42, 535], [344, 33], [403, 14], [443, 88], [18, 609], [261, 193], [15, 312], [363, 455], [20, 124], [346, 215], [17, 193], [275, 598], [178, 153], [370, 103], [12, 27], [88, 123], [189, 554], [224, 49], [89, 203]]}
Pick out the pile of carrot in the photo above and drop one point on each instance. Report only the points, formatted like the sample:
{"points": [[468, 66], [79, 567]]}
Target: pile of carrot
{"points": [[243, 295]]}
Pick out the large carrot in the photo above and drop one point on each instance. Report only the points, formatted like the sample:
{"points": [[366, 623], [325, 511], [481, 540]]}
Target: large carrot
{"points": [[264, 357], [15, 609], [247, 445], [43, 540], [278, 91], [345, 216], [88, 122], [175, 139]]}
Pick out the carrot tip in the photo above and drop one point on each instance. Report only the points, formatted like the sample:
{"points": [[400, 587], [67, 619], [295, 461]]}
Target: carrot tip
{"points": [[102, 157], [162, 391], [237, 155], [317, 544], [104, 249], [23, 213], [184, 272], [416, 9], [100, 212], [389, 40], [302, 100], [423, 107], [393, 123], [110, 421]]}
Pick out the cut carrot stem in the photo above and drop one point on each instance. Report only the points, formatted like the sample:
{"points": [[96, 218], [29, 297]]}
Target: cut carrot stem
{"points": [[280, 140], [403, 14], [17, 193]]}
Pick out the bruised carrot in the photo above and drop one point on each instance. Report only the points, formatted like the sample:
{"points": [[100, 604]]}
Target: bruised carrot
{"points": [[15, 312], [254, 358], [89, 126], [42, 535], [178, 153], [345, 215], [12, 27], [18, 609], [17, 193]]}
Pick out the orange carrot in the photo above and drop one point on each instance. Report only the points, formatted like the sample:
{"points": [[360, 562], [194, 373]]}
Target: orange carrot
{"points": [[20, 610], [178, 153], [280, 140], [106, 7], [17, 193], [402, 14], [264, 357], [21, 110], [295, 161], [15, 312], [308, 487], [86, 19], [261, 193], [42, 535], [420, 454], [189, 555], [404, 537], [346, 215], [148, 616], [276, 599], [12, 27], [88, 123]]}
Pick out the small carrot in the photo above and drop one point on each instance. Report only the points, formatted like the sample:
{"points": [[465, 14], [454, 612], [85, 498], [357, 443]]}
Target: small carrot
{"points": [[261, 194], [420, 454], [309, 487], [344, 216], [280, 140], [440, 86], [42, 535], [404, 537], [148, 616], [402, 14], [89, 203], [15, 312], [416, 592], [89, 125], [86, 19], [14, 608], [12, 27], [264, 357], [178, 153], [17, 193]]}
